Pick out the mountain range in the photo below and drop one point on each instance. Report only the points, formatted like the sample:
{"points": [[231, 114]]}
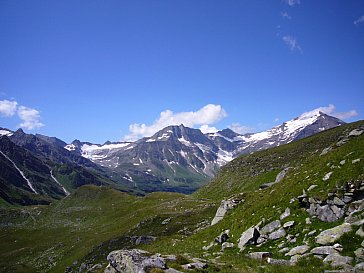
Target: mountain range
{"points": [[37, 168]]}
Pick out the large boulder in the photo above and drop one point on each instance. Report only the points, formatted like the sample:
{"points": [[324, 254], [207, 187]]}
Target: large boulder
{"points": [[331, 235], [337, 260], [298, 250], [270, 227], [250, 236], [132, 261], [324, 250]]}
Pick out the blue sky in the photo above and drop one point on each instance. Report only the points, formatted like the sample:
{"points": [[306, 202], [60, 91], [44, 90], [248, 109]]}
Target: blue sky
{"points": [[92, 69]]}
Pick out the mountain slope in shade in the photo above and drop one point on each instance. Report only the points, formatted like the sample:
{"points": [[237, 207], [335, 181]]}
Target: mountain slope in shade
{"points": [[182, 159]]}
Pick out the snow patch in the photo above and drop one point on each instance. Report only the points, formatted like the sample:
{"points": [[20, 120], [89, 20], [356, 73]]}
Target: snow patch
{"points": [[55, 180], [21, 173], [5, 133]]}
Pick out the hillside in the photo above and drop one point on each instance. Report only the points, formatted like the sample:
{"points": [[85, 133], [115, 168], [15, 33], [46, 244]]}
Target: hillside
{"points": [[77, 232]]}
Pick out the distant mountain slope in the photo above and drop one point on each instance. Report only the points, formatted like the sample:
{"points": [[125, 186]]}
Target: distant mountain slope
{"points": [[183, 159], [37, 169]]}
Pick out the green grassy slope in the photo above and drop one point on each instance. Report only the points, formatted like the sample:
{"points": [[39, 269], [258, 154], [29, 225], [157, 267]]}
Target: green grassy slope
{"points": [[92, 221]]}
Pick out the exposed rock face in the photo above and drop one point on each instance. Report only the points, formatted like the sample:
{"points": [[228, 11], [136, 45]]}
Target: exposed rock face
{"points": [[225, 206], [131, 261], [250, 236], [331, 235]]}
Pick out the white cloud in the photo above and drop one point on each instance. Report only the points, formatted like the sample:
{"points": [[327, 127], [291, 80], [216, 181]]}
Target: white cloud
{"points": [[292, 2], [359, 20], [8, 108], [205, 129], [331, 110], [276, 119], [240, 129], [30, 118], [285, 15], [207, 115], [292, 43]]}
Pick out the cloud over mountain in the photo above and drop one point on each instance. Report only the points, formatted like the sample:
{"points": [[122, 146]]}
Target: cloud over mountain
{"points": [[207, 115]]}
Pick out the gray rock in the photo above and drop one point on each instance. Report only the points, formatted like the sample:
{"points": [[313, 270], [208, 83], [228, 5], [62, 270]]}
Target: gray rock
{"points": [[338, 201], [310, 188], [308, 221], [281, 175], [339, 212], [311, 233], [225, 206], [166, 221], [326, 150], [333, 234], [359, 266], [288, 224], [143, 240], [262, 239], [355, 160], [347, 199], [324, 250], [198, 265], [359, 253], [223, 237], [325, 214], [356, 132], [271, 227], [285, 214], [360, 232], [337, 260], [342, 162], [130, 261], [284, 250], [298, 250], [277, 234], [259, 255], [338, 247], [327, 176], [250, 236], [279, 262], [226, 245]]}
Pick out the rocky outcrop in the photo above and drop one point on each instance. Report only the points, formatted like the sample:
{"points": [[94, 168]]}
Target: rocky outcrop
{"points": [[225, 206], [131, 261], [346, 200]]}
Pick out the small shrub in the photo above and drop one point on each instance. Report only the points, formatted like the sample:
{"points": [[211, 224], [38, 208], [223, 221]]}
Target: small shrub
{"points": [[181, 260]]}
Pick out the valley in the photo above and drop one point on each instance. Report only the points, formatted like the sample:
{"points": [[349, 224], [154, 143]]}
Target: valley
{"points": [[77, 232]]}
